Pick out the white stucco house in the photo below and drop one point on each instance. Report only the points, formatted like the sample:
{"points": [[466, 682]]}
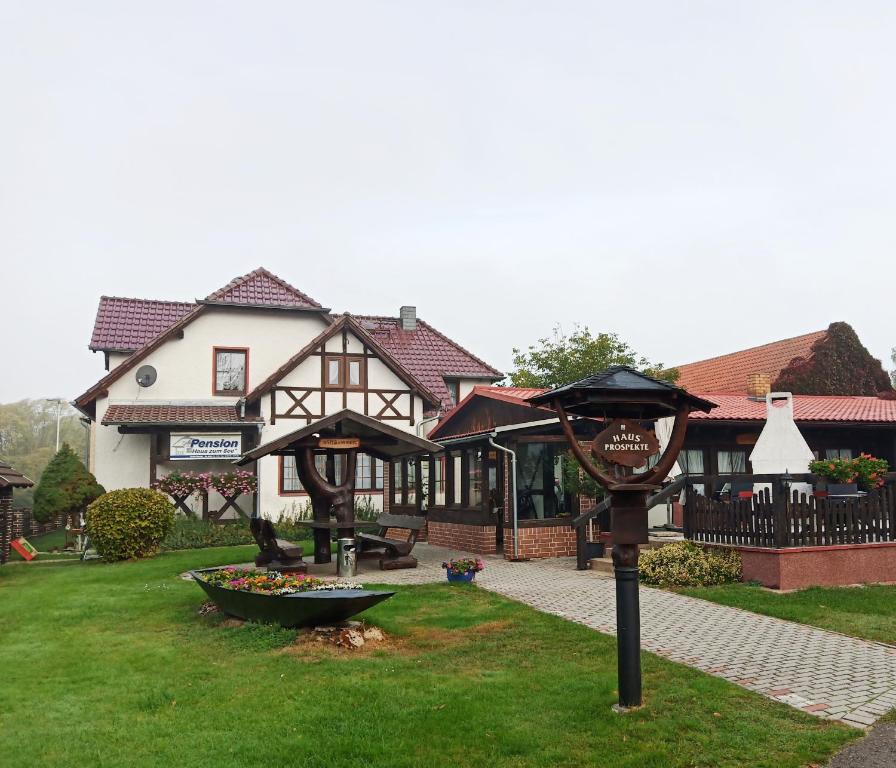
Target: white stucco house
{"points": [[191, 386]]}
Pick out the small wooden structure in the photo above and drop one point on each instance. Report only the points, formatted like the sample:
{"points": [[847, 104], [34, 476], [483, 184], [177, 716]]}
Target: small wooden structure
{"points": [[10, 478], [345, 432]]}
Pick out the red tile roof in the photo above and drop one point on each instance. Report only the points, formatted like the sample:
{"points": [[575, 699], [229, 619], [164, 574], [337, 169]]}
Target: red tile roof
{"points": [[262, 288], [428, 354], [817, 408], [512, 395], [728, 373], [124, 325], [175, 414]]}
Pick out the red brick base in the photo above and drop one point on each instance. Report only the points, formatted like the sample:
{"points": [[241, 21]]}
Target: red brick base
{"points": [[546, 541], [479, 539], [799, 567]]}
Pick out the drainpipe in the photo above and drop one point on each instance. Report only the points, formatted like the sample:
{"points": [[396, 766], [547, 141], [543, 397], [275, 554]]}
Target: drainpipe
{"points": [[516, 530], [426, 421]]}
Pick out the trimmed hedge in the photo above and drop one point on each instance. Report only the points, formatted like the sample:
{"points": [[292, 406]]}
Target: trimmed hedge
{"points": [[129, 523], [198, 534], [685, 564]]}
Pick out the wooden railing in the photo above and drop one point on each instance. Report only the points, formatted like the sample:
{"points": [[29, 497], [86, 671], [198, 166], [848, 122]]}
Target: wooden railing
{"points": [[780, 520]]}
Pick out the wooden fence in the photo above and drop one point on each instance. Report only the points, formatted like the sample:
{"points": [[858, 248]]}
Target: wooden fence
{"points": [[778, 520]]}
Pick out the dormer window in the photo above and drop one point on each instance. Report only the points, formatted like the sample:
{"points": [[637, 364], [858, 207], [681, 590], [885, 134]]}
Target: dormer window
{"points": [[231, 370], [453, 386]]}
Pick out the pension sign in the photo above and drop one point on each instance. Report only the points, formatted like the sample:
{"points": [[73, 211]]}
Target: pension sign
{"points": [[205, 446], [625, 443]]}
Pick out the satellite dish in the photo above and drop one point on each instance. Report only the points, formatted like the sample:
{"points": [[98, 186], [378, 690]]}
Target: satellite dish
{"points": [[146, 375]]}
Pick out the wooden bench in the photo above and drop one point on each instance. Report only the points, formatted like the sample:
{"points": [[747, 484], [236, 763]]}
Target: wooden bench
{"points": [[276, 554], [394, 553]]}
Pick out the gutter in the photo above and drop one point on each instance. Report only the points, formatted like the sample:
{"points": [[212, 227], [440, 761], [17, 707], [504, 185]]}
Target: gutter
{"points": [[516, 528]]}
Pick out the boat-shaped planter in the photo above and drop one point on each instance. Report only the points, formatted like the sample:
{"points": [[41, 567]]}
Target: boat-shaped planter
{"points": [[301, 609]]}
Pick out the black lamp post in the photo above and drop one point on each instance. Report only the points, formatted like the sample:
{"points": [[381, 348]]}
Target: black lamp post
{"points": [[624, 398]]}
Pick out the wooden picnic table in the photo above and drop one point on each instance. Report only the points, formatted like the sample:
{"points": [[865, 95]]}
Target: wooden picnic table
{"points": [[344, 530]]}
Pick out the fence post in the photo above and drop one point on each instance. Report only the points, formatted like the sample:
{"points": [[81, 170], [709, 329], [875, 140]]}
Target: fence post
{"points": [[781, 527]]}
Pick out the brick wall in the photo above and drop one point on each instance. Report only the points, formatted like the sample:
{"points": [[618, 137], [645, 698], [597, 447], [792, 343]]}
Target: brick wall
{"points": [[5, 528], [479, 539], [542, 541]]}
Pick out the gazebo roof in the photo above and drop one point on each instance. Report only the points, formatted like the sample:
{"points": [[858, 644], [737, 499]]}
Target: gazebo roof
{"points": [[377, 438], [10, 477], [622, 391]]}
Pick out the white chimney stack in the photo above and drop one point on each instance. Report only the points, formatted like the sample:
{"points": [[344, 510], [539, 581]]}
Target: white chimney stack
{"points": [[408, 318]]}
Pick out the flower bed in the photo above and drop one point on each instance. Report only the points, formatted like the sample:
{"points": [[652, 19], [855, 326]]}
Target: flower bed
{"points": [[272, 582]]}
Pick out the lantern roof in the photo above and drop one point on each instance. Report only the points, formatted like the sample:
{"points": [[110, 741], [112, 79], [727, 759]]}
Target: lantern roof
{"points": [[622, 391]]}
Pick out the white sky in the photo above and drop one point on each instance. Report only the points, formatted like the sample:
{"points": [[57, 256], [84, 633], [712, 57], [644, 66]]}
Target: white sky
{"points": [[696, 176]]}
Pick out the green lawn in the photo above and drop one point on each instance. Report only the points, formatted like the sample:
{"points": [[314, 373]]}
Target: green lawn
{"points": [[110, 665], [45, 542], [868, 611]]}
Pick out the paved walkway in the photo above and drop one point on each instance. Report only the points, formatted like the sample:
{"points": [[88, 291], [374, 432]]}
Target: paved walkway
{"points": [[827, 674]]}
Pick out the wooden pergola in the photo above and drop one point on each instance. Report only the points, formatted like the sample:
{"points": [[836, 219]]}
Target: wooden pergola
{"points": [[345, 432]]}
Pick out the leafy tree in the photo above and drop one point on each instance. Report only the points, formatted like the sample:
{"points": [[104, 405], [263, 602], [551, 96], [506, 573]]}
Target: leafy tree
{"points": [[563, 359], [838, 365], [65, 487], [28, 438]]}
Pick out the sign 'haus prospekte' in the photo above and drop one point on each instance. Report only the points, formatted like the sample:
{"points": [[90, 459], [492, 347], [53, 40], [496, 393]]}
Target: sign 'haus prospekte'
{"points": [[626, 443]]}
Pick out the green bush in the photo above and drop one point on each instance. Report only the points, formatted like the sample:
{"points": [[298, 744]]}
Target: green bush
{"points": [[65, 487], [685, 564], [198, 534], [131, 522]]}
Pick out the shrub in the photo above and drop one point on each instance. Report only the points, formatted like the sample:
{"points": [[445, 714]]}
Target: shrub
{"points": [[65, 487], [685, 564], [131, 522]]}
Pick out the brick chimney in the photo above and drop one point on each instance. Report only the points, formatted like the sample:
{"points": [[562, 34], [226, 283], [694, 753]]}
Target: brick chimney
{"points": [[759, 385], [408, 318]]}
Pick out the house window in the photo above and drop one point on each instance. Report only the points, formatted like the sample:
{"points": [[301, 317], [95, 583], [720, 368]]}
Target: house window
{"points": [[368, 473], [474, 478], [837, 453], [397, 482], [230, 370], [334, 371], [731, 462], [457, 480], [353, 365], [541, 491], [411, 480], [289, 477], [439, 480], [691, 463], [453, 386]]}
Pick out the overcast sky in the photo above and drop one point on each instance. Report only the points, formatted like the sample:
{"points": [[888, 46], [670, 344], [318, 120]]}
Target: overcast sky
{"points": [[697, 176]]}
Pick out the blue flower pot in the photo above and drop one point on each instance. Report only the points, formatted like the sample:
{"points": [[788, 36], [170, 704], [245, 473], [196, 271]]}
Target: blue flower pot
{"points": [[468, 576]]}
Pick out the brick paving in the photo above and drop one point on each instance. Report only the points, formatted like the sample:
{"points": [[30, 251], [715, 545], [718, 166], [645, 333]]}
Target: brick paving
{"points": [[824, 673]]}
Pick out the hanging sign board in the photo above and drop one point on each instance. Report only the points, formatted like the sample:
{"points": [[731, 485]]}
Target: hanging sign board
{"points": [[626, 443], [205, 445], [339, 443]]}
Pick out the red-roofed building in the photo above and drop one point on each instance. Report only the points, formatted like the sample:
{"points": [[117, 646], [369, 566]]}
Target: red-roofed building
{"points": [[254, 359], [472, 503]]}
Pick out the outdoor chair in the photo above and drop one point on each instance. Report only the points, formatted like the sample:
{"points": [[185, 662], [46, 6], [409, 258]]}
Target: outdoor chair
{"points": [[394, 553]]}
